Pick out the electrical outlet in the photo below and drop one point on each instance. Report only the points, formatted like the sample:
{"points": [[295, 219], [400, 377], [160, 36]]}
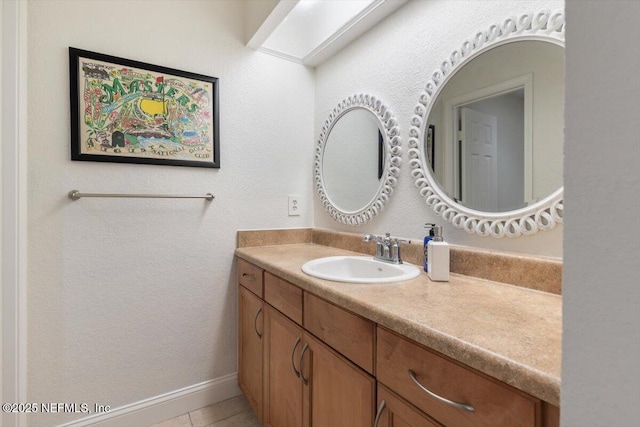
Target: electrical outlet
{"points": [[295, 205]]}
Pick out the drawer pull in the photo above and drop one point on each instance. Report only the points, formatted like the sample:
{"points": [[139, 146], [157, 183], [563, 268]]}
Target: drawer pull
{"points": [[249, 277], [293, 350], [302, 378], [462, 406], [255, 320], [379, 413]]}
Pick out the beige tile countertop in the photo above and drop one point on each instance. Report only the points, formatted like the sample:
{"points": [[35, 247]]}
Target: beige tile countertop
{"points": [[510, 333]]}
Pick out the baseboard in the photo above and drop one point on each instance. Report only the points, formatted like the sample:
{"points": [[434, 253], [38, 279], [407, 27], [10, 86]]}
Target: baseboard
{"points": [[165, 406]]}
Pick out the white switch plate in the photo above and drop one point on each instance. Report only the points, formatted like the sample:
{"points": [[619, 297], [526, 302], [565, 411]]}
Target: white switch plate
{"points": [[295, 205]]}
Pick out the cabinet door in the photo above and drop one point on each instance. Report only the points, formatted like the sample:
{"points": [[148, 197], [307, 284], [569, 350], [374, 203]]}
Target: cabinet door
{"points": [[250, 332], [282, 385], [393, 411], [336, 392]]}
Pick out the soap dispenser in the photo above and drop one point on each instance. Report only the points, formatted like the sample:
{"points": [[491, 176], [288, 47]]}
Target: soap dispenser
{"points": [[438, 256], [427, 239]]}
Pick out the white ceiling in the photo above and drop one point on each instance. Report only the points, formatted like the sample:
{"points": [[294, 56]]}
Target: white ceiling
{"points": [[310, 31]]}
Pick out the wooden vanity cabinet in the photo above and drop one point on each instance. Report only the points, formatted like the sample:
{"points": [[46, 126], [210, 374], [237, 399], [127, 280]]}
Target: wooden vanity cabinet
{"points": [[306, 362]]}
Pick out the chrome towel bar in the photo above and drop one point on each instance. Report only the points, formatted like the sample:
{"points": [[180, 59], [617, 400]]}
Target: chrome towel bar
{"points": [[75, 195]]}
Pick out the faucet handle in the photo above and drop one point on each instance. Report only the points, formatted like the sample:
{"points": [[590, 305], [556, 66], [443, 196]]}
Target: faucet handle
{"points": [[371, 237], [396, 256], [399, 240], [378, 239]]}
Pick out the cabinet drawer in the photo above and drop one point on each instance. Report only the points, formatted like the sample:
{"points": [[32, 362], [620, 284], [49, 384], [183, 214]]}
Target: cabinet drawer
{"points": [[284, 296], [494, 404], [250, 276], [346, 332]]}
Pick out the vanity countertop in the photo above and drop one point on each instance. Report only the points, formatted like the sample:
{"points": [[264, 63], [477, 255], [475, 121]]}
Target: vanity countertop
{"points": [[507, 332]]}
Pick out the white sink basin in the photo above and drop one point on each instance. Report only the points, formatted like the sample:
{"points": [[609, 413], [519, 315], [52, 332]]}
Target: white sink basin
{"points": [[359, 269]]}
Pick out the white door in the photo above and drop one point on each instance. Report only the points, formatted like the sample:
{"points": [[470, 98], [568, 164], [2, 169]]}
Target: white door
{"points": [[479, 160]]}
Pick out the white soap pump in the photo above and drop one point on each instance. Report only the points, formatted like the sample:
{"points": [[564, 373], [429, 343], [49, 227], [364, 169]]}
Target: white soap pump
{"points": [[438, 256]]}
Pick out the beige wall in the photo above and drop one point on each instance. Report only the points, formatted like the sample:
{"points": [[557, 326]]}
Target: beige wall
{"points": [[116, 329], [601, 281], [129, 299], [256, 11]]}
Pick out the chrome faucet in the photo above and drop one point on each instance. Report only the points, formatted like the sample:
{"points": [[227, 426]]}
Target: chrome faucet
{"points": [[387, 247]]}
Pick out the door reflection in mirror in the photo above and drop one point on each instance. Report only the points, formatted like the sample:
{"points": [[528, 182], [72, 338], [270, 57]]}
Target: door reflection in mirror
{"points": [[491, 140], [501, 116]]}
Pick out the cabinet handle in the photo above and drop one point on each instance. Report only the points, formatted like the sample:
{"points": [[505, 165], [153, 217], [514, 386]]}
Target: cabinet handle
{"points": [[302, 378], [462, 406], [293, 350], [249, 276], [255, 320], [379, 413]]}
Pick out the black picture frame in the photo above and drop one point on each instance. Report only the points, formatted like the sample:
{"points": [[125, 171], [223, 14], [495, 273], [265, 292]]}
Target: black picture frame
{"points": [[380, 155], [431, 145], [128, 111]]}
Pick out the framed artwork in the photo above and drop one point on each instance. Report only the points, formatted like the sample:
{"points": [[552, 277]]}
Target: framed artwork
{"points": [[431, 142], [131, 112]]}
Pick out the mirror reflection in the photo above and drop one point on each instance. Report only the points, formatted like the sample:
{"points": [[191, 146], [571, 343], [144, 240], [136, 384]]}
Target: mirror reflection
{"points": [[494, 136], [353, 160]]}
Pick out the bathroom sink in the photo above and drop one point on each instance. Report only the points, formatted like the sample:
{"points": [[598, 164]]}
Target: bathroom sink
{"points": [[359, 269]]}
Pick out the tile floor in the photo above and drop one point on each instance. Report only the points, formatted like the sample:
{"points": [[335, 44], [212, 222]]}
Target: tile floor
{"points": [[234, 412]]}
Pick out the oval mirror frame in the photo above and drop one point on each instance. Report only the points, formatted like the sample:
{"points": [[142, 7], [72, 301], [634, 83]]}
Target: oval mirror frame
{"points": [[541, 216], [391, 136]]}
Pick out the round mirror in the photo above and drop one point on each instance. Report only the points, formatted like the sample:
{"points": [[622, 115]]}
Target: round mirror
{"points": [[488, 138], [357, 159], [353, 160]]}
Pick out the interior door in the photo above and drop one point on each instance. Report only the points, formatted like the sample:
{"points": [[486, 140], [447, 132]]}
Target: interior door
{"points": [[479, 160]]}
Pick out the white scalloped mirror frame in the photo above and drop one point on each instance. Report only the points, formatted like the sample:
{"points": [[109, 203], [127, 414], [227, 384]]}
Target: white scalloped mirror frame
{"points": [[540, 216], [393, 151]]}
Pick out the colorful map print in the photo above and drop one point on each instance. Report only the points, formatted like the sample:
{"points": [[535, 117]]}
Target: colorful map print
{"points": [[139, 113]]}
